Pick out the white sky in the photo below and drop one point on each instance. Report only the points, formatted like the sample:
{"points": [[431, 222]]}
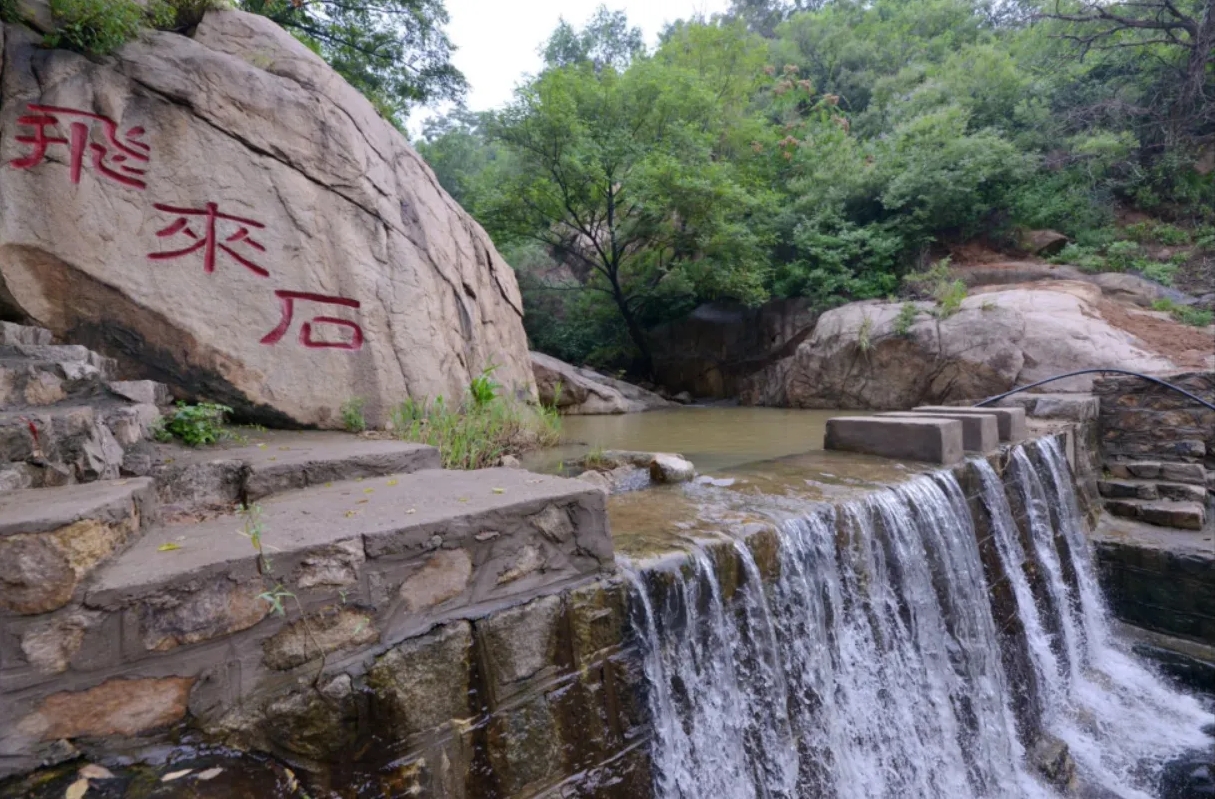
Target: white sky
{"points": [[498, 39]]}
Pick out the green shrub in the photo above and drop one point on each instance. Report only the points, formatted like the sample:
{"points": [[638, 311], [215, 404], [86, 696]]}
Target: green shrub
{"points": [[1154, 270], [1081, 257], [905, 319], [484, 389], [1148, 232], [8, 10], [1121, 255], [1184, 313], [352, 415], [95, 26], [939, 284], [194, 425], [476, 436]]}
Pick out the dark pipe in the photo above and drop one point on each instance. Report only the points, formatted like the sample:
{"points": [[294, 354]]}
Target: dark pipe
{"points": [[1103, 370]]}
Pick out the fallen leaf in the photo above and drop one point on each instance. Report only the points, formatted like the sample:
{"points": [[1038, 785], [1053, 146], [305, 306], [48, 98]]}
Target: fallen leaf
{"points": [[77, 789], [95, 772], [328, 485], [273, 458], [368, 490], [283, 449], [352, 513], [210, 773], [461, 499], [499, 490], [412, 510], [175, 775], [169, 547], [261, 446], [393, 482], [292, 782], [363, 501]]}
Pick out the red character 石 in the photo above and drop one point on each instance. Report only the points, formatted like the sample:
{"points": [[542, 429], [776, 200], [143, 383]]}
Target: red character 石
{"points": [[288, 300], [117, 160], [209, 241]]}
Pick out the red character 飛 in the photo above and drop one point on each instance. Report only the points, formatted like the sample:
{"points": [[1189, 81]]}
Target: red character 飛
{"points": [[117, 160], [209, 241], [288, 300]]}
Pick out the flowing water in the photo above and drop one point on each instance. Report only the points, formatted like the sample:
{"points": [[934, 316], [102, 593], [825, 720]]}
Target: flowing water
{"points": [[870, 666]]}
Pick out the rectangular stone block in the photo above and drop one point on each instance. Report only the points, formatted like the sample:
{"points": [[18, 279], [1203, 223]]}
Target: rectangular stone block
{"points": [[980, 432], [924, 439], [1010, 421]]}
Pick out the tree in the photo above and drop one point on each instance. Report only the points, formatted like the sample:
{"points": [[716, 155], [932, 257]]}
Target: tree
{"points": [[394, 51], [1179, 32], [616, 174], [605, 41]]}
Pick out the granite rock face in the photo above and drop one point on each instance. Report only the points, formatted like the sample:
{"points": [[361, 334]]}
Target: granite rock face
{"points": [[223, 213]]}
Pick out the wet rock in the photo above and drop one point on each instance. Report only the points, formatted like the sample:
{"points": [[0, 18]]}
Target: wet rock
{"points": [[574, 390], [666, 468], [49, 646], [683, 398], [1052, 759], [598, 619], [521, 641], [116, 707], [316, 635], [1189, 777], [336, 566], [597, 479], [1192, 473], [317, 725], [423, 682], [510, 462], [444, 575]]}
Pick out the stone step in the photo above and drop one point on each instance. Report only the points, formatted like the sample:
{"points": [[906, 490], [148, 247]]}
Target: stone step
{"points": [[12, 333], [268, 463], [1192, 473], [1162, 513], [52, 539], [35, 382], [69, 443], [401, 551], [1009, 421], [916, 438], [143, 392], [980, 432], [1150, 489], [62, 353], [1069, 407]]}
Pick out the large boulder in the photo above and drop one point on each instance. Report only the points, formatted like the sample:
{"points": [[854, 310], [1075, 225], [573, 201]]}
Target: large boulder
{"points": [[223, 213], [578, 391], [857, 358]]}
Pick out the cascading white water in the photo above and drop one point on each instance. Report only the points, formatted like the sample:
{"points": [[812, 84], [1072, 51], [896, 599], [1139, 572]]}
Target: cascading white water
{"points": [[871, 666]]}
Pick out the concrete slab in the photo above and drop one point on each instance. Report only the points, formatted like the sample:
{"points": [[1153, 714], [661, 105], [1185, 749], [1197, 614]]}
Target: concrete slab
{"points": [[39, 510], [980, 432], [386, 517], [1010, 421], [1069, 407], [920, 439]]}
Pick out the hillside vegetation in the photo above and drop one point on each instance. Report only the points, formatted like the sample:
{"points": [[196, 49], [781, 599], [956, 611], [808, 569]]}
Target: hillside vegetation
{"points": [[825, 152]]}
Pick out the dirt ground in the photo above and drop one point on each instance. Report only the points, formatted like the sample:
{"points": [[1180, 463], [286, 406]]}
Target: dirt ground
{"points": [[1187, 346]]}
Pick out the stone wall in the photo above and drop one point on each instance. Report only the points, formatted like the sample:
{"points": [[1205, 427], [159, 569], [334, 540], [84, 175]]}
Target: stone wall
{"points": [[1141, 421], [1163, 588]]}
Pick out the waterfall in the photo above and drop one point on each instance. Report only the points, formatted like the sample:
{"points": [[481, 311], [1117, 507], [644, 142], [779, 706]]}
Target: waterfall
{"points": [[869, 664]]}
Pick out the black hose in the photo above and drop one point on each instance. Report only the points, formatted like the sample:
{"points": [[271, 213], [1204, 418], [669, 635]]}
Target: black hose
{"points": [[1103, 370]]}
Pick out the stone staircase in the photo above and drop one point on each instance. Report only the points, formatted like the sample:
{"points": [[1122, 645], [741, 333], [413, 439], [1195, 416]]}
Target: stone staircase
{"points": [[64, 419], [1163, 494], [133, 592]]}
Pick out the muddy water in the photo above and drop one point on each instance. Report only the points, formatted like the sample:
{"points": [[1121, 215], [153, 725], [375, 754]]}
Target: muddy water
{"points": [[713, 438]]}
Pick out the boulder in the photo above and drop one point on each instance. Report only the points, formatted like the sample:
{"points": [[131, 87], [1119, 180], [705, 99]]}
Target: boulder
{"points": [[578, 391], [1138, 290], [667, 468], [238, 222], [997, 340], [1042, 242]]}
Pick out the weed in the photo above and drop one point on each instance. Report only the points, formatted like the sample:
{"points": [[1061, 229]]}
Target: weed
{"points": [[596, 459], [864, 334], [95, 26], [950, 299], [484, 389], [1081, 257], [1158, 272], [1148, 232], [988, 305], [1184, 313], [905, 319], [1121, 255], [475, 436], [939, 284], [194, 425], [352, 415]]}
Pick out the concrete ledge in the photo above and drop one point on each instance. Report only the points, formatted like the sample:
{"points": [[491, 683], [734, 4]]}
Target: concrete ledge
{"points": [[1068, 407], [980, 432], [336, 460], [924, 439], [1010, 421]]}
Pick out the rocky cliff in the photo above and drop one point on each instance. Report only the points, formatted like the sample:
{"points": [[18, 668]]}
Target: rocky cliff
{"points": [[223, 213]]}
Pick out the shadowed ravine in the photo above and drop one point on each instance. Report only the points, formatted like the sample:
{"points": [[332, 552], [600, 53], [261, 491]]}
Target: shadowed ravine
{"points": [[871, 664]]}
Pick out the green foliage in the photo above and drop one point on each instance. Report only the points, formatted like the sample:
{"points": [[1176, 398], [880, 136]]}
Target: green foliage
{"points": [[1184, 313], [8, 10], [352, 415], [476, 436], [906, 318], [1122, 255], [1150, 232], [939, 284], [1162, 273], [1085, 258], [95, 26], [484, 389], [195, 425], [394, 51]]}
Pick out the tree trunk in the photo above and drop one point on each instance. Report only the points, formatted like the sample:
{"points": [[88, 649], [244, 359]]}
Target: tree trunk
{"points": [[1193, 92], [635, 331]]}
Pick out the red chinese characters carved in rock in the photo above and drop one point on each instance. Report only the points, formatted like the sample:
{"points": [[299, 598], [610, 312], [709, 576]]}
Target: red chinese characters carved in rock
{"points": [[209, 241], [120, 159], [288, 300]]}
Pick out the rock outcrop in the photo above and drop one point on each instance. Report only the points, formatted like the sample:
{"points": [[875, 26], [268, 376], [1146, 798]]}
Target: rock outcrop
{"points": [[856, 358], [223, 213], [584, 392]]}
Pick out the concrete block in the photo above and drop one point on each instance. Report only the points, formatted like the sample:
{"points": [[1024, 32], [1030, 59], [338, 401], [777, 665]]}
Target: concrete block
{"points": [[980, 432], [1010, 421], [925, 439]]}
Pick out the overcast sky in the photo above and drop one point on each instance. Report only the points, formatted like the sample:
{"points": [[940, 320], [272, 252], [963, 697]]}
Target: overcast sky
{"points": [[497, 40]]}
